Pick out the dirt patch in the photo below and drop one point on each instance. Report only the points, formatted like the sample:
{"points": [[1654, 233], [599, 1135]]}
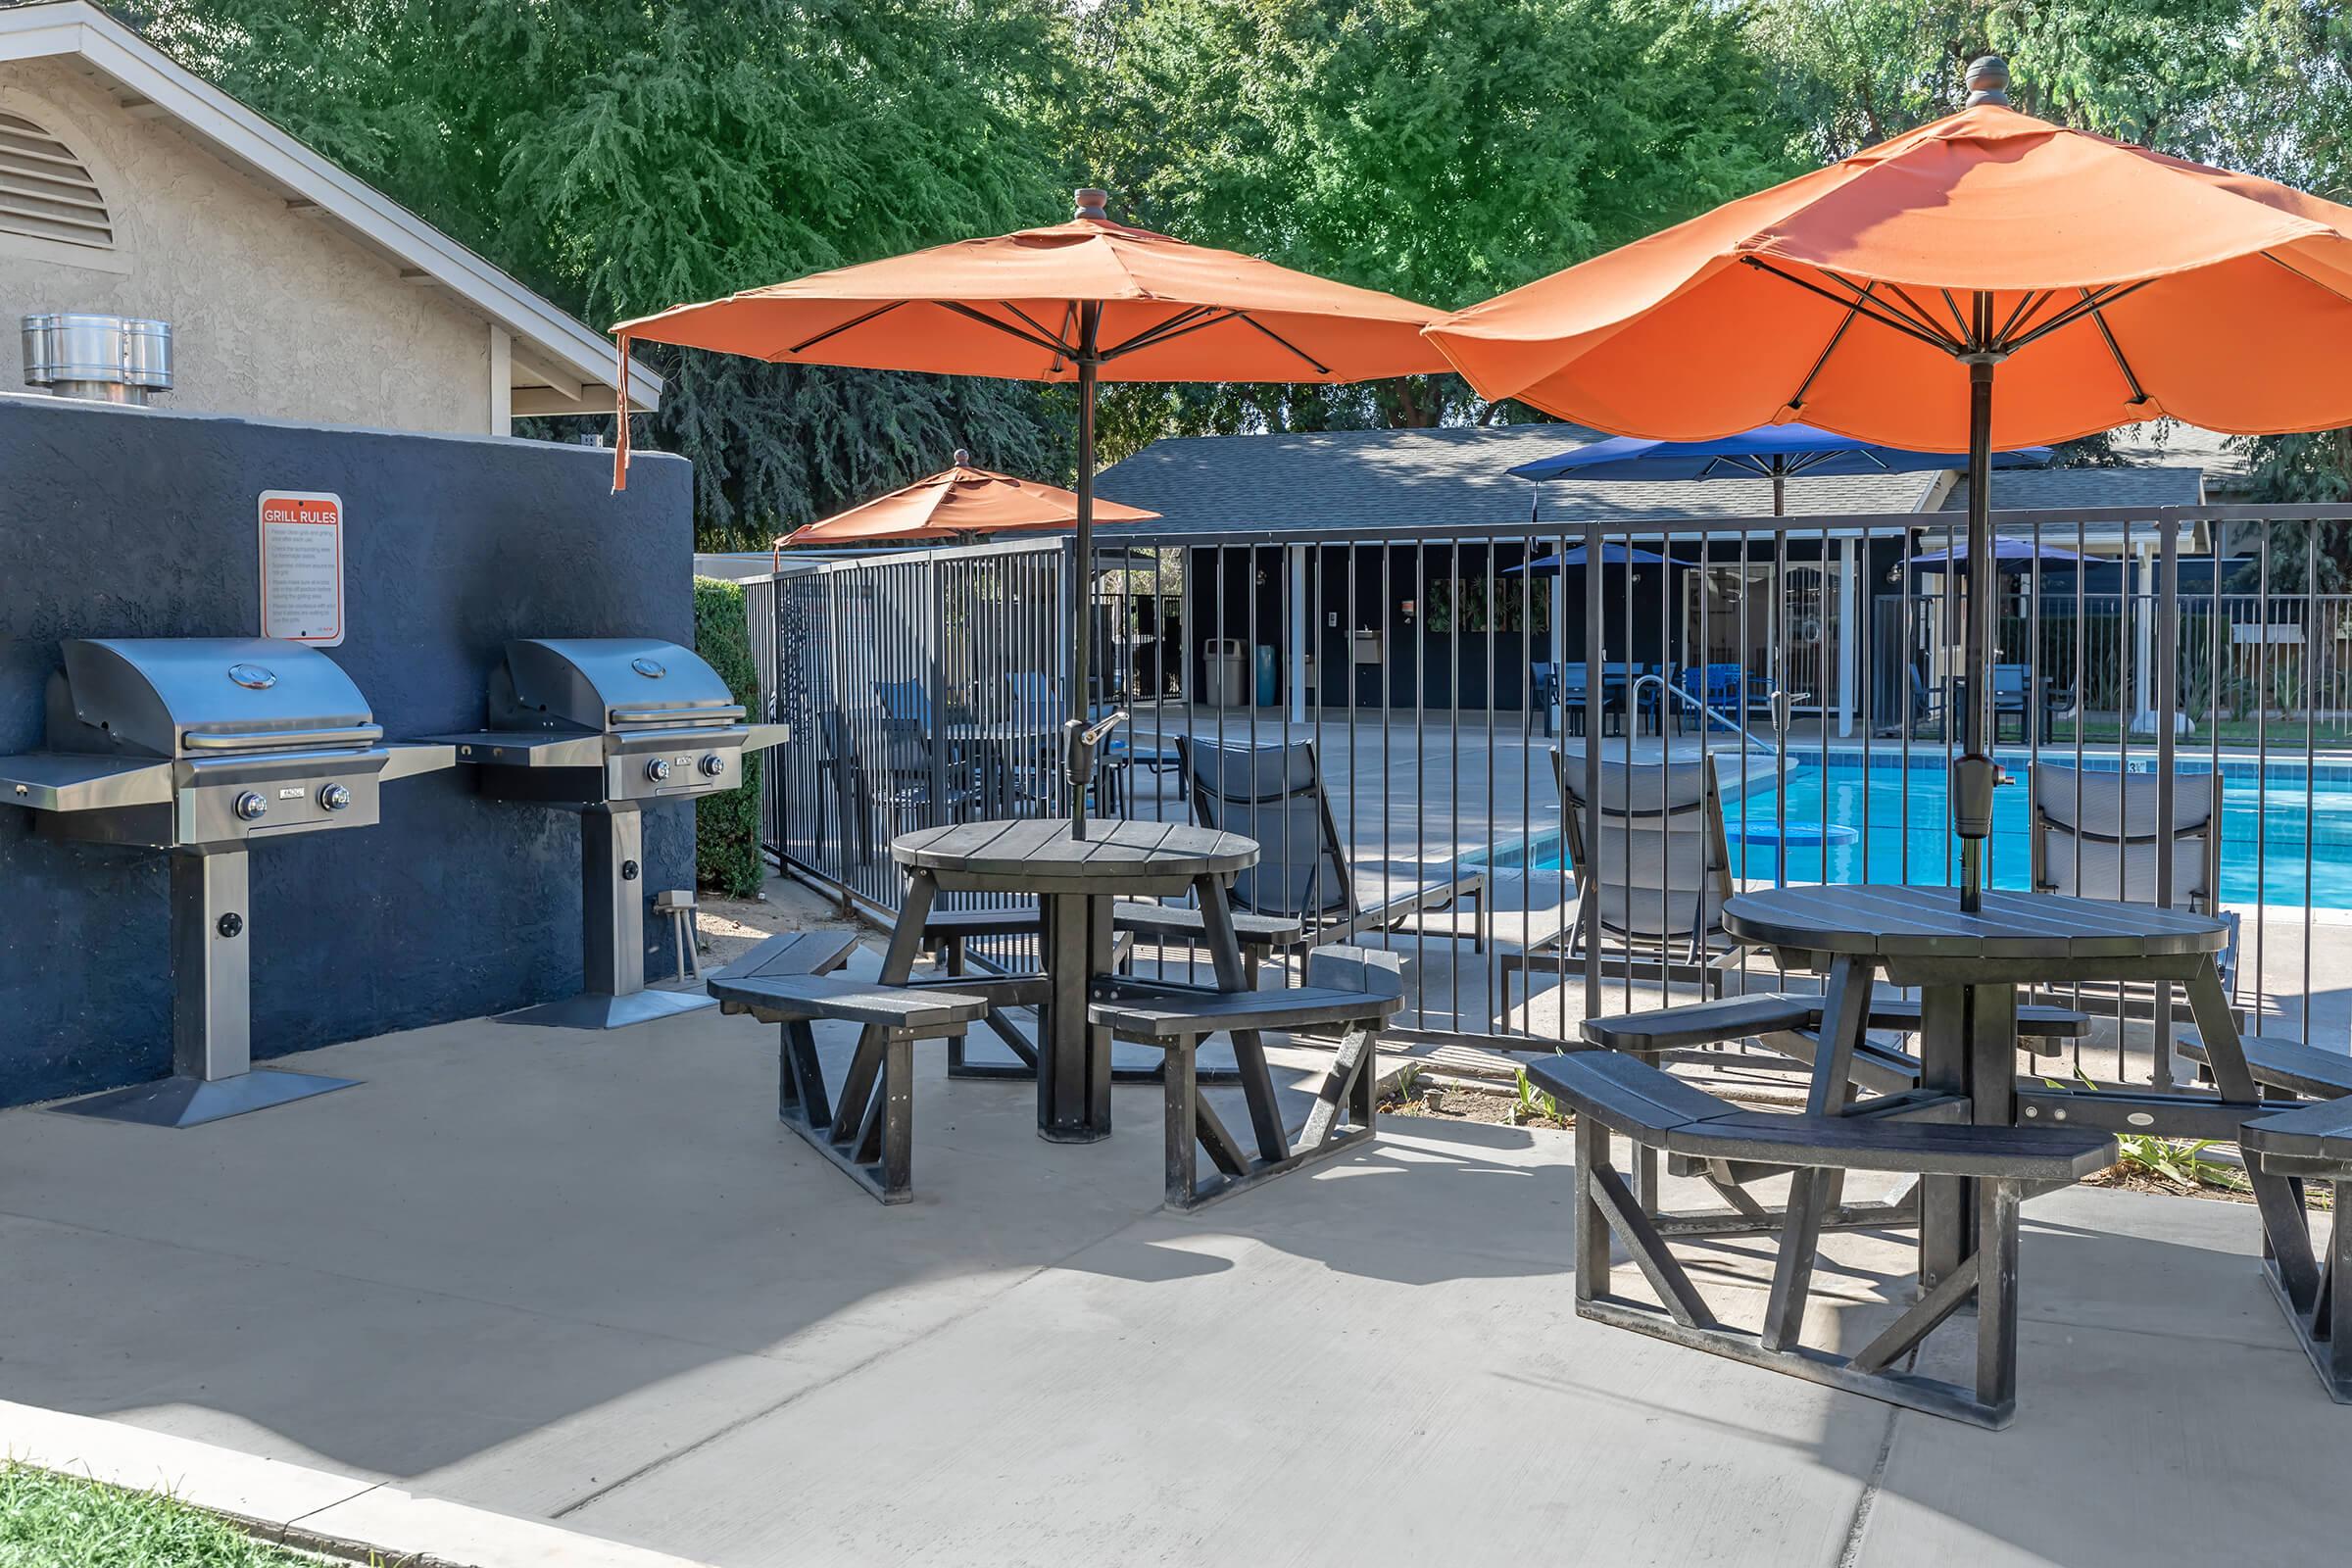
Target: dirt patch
{"points": [[1454, 1101], [727, 928]]}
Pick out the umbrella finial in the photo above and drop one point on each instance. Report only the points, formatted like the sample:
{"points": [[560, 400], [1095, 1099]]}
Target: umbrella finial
{"points": [[1987, 81], [1094, 203], [964, 458]]}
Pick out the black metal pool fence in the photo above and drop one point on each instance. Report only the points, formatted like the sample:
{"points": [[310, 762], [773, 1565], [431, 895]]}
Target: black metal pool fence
{"points": [[1812, 664]]}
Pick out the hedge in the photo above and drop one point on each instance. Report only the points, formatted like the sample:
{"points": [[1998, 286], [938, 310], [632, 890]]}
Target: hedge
{"points": [[726, 825]]}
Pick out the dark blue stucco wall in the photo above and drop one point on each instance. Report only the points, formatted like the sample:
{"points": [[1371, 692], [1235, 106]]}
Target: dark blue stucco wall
{"points": [[143, 523]]}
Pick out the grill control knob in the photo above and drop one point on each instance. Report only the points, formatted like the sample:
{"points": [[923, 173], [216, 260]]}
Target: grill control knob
{"points": [[657, 770], [713, 765], [251, 806], [334, 797]]}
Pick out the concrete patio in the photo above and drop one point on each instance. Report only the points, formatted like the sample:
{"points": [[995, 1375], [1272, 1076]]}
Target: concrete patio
{"points": [[587, 1277]]}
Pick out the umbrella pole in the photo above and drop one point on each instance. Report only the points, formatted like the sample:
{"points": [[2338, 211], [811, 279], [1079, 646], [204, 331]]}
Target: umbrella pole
{"points": [[1076, 748], [1972, 772]]}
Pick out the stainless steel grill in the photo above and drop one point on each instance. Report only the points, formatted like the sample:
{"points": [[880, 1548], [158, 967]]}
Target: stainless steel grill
{"points": [[606, 726], [201, 746]]}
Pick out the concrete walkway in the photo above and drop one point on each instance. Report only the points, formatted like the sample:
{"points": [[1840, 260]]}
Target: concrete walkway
{"points": [[586, 1277]]}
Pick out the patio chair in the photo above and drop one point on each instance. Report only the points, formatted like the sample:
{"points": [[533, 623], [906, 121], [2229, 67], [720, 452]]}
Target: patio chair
{"points": [[2098, 836], [1543, 692], [1927, 703], [1274, 794], [1663, 873], [2019, 693], [1723, 692]]}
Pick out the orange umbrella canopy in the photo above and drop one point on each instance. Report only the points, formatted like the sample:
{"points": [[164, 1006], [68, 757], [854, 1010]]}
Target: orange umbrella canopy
{"points": [[2112, 283], [961, 500], [1990, 280], [1017, 306], [1084, 302]]}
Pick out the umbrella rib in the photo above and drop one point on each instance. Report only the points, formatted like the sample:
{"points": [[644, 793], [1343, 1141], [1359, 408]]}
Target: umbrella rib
{"points": [[1953, 310], [1187, 319], [1040, 328], [2091, 303], [2289, 267], [1926, 320], [1870, 306], [1831, 347], [1247, 319], [1007, 327], [2027, 305], [2131, 380], [851, 325]]}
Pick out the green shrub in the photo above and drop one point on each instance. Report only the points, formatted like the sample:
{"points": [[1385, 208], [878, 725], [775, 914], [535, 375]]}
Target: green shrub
{"points": [[726, 825]]}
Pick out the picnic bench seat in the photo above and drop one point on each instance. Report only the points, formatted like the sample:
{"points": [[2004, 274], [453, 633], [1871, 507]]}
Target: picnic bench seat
{"points": [[794, 953], [1613, 1092], [2289, 1065], [866, 1128], [2041, 1030], [2313, 1143], [1354, 989]]}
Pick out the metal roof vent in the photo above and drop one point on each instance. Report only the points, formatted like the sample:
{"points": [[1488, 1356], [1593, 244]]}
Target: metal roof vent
{"points": [[102, 359]]}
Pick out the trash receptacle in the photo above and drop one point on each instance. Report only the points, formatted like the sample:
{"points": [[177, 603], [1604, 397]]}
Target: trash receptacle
{"points": [[1269, 688], [1228, 660]]}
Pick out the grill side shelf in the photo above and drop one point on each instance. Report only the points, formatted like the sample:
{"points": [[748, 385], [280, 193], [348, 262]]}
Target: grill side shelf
{"points": [[67, 781], [523, 749]]}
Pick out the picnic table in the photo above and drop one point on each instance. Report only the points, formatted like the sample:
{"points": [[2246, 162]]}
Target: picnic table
{"points": [[1969, 969], [1075, 882]]}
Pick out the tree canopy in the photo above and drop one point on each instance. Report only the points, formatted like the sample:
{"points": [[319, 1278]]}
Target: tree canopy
{"points": [[626, 155]]}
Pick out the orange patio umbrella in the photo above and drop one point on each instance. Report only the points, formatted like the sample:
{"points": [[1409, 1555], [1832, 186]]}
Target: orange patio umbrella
{"points": [[1988, 279], [957, 503], [1082, 302]]}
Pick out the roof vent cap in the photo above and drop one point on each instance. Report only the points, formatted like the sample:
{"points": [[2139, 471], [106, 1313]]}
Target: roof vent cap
{"points": [[100, 359]]}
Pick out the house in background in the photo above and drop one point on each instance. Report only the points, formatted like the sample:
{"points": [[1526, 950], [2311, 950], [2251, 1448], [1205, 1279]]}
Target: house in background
{"points": [[129, 186], [1417, 613]]}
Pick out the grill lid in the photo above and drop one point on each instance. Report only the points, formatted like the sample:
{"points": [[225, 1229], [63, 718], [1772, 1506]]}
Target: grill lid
{"points": [[603, 683], [183, 695]]}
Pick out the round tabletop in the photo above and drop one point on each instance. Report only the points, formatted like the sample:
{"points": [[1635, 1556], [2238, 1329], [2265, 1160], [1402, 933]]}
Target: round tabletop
{"points": [[1926, 922], [1115, 857]]}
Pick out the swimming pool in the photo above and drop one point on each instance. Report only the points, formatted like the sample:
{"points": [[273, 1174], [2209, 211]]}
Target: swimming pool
{"points": [[1908, 837]]}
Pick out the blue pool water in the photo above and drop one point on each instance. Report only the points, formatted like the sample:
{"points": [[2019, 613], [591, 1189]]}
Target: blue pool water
{"points": [[2262, 848]]}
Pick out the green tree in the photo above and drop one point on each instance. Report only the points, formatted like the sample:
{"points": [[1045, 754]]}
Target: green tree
{"points": [[1444, 150], [625, 155]]}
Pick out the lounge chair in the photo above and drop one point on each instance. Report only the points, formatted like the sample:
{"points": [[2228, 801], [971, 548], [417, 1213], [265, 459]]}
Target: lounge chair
{"points": [[1664, 870], [1274, 794], [2097, 835]]}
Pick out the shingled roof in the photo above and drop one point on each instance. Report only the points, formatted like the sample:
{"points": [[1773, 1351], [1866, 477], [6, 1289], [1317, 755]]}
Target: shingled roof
{"points": [[1436, 479]]}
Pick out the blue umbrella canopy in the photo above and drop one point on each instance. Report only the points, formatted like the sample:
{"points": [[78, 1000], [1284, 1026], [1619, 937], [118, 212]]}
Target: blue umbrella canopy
{"points": [[1775, 452], [2005, 548], [1611, 554]]}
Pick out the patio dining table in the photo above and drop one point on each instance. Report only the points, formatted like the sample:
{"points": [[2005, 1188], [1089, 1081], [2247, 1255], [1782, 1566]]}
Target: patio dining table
{"points": [[1075, 882], [1969, 969]]}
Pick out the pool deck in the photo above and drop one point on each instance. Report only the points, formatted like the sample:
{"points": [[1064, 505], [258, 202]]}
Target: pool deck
{"points": [[586, 1277]]}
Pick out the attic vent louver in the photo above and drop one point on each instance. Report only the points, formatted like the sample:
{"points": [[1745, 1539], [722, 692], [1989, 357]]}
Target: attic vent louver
{"points": [[45, 193]]}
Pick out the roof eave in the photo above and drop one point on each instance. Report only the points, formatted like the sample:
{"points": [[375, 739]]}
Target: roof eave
{"points": [[571, 349]]}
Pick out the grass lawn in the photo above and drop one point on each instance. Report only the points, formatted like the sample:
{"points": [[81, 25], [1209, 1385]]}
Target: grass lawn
{"points": [[53, 1521]]}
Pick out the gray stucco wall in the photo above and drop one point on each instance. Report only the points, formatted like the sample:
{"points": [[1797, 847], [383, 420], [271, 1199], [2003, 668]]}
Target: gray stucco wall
{"points": [[121, 523]]}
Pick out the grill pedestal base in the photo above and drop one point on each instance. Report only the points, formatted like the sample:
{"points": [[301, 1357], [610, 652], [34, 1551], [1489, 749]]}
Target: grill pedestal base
{"points": [[613, 899], [211, 1010], [182, 1101], [592, 1009]]}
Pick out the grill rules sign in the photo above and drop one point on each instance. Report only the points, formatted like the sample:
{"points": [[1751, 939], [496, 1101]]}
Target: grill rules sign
{"points": [[302, 566]]}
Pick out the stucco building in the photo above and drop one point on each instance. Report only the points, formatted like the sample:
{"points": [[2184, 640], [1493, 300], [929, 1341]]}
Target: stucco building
{"points": [[127, 185]]}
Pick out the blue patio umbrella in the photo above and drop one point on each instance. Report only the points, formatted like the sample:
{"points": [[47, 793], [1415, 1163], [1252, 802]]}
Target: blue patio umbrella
{"points": [[2006, 548], [1775, 452], [1611, 554]]}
